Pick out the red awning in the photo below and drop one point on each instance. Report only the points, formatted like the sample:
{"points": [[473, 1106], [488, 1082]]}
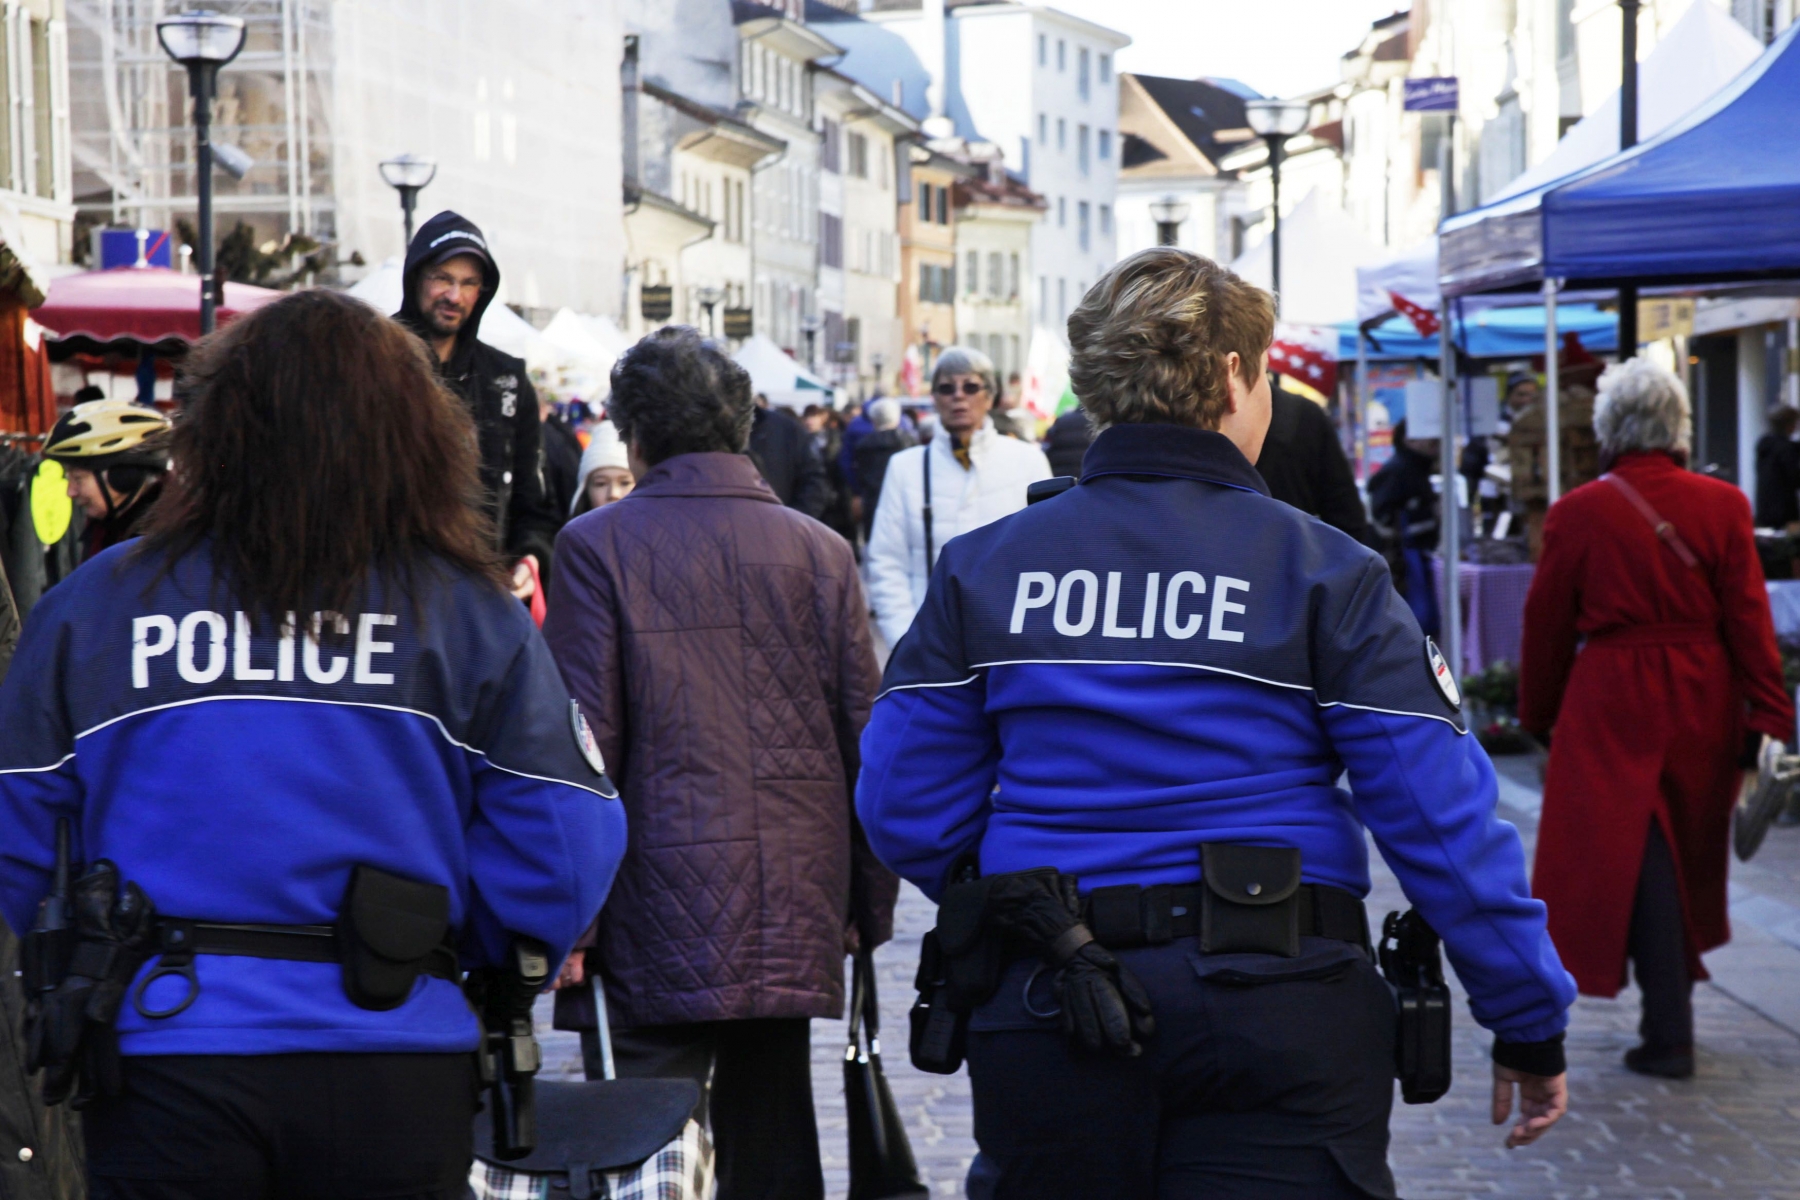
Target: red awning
{"points": [[138, 304]]}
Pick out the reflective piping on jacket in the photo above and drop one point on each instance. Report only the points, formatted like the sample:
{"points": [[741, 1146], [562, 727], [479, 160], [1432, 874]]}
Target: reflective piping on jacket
{"points": [[1115, 662], [479, 753], [28, 770]]}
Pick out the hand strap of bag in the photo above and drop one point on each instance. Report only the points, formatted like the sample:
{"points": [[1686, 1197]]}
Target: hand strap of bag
{"points": [[604, 1027], [927, 513], [1664, 530], [865, 1009]]}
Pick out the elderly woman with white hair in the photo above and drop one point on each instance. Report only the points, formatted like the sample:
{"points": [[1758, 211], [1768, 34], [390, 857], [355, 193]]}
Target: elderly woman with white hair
{"points": [[1650, 651], [966, 476]]}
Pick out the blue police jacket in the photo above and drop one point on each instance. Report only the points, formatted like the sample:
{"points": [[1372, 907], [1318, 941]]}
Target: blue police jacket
{"points": [[238, 774], [1163, 656]]}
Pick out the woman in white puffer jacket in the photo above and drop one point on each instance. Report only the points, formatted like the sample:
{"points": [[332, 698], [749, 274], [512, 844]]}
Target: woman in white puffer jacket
{"points": [[975, 476]]}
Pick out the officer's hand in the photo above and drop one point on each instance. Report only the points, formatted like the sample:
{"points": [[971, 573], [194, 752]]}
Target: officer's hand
{"points": [[574, 971], [1543, 1099]]}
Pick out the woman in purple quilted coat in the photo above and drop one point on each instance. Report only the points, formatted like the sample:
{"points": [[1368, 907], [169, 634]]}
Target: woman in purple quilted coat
{"points": [[718, 644]]}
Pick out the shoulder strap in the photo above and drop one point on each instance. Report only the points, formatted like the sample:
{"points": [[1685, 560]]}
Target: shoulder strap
{"points": [[926, 467], [1663, 529]]}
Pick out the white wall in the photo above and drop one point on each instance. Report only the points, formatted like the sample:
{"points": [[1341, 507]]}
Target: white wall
{"points": [[525, 133]]}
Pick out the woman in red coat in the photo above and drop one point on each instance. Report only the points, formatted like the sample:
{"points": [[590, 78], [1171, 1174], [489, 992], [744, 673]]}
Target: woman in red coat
{"points": [[1653, 656]]}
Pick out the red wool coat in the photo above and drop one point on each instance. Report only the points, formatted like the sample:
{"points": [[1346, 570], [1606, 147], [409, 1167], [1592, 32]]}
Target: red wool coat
{"points": [[1650, 713]]}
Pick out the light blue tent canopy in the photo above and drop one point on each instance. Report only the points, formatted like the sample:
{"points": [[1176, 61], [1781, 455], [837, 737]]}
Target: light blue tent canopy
{"points": [[1490, 333]]}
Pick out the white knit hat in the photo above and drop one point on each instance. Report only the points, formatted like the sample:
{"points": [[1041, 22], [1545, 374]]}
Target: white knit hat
{"points": [[604, 449]]}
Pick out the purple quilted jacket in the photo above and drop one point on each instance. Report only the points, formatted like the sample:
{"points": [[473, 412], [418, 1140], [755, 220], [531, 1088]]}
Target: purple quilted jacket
{"points": [[719, 645]]}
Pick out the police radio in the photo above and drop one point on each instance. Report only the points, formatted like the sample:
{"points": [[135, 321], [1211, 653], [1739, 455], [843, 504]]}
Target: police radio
{"points": [[1412, 963], [509, 1057]]}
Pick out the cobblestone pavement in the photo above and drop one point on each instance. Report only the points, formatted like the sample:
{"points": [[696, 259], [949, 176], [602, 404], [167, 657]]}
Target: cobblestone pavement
{"points": [[1734, 1131]]}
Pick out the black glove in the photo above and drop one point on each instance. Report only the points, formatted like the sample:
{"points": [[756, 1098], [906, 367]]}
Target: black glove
{"points": [[1103, 1005], [1752, 749], [72, 1037]]}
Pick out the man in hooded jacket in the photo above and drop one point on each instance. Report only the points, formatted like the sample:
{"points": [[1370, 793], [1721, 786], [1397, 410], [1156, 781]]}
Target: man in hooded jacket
{"points": [[450, 279]]}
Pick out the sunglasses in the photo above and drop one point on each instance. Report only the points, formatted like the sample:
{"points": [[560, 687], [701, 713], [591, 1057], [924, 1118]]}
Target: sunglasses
{"points": [[970, 387]]}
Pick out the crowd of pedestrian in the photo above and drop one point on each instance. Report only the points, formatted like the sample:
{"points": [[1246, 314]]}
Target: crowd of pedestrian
{"points": [[383, 668]]}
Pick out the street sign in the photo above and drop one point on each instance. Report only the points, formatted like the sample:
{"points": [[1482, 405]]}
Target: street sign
{"points": [[1665, 318], [1434, 93], [657, 303]]}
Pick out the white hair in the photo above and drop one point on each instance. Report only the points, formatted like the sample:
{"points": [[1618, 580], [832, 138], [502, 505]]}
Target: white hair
{"points": [[1642, 406], [966, 360], [884, 414]]}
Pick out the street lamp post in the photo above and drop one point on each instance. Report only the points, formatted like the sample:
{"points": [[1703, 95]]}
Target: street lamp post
{"points": [[709, 298], [1169, 213], [203, 41], [408, 174], [1628, 137], [810, 325], [1275, 121]]}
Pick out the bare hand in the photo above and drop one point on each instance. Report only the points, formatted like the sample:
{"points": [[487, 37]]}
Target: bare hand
{"points": [[574, 971], [1543, 1099], [522, 583]]}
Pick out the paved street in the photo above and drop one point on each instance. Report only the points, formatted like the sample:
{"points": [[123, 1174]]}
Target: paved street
{"points": [[1732, 1132]]}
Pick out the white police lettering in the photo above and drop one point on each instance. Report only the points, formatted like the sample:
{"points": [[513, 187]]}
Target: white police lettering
{"points": [[1223, 586], [143, 649], [215, 647], [1181, 605], [315, 671], [1111, 627], [201, 654], [1090, 598], [367, 647], [1182, 630], [240, 652], [1036, 589]]}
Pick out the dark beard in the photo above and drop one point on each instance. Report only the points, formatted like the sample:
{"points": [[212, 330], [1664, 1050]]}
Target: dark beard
{"points": [[438, 330]]}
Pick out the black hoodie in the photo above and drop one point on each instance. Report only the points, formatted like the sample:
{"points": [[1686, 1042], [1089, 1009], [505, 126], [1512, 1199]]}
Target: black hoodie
{"points": [[496, 389]]}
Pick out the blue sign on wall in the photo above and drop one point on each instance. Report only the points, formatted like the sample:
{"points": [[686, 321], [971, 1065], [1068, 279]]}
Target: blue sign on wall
{"points": [[1436, 93], [119, 248]]}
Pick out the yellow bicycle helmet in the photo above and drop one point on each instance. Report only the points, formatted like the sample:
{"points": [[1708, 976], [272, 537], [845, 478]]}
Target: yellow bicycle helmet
{"points": [[110, 433]]}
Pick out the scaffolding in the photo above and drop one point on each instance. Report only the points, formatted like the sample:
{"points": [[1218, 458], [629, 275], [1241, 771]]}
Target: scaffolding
{"points": [[131, 118]]}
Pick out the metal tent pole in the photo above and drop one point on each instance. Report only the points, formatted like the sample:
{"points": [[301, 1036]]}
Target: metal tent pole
{"points": [[1449, 506], [1359, 412], [1552, 407]]}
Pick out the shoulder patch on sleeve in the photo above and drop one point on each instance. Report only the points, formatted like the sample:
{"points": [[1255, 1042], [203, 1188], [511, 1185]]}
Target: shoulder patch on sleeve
{"points": [[1443, 676], [584, 738]]}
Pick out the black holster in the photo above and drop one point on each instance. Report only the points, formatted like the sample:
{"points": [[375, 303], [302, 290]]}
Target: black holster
{"points": [[1411, 961], [387, 928], [959, 968]]}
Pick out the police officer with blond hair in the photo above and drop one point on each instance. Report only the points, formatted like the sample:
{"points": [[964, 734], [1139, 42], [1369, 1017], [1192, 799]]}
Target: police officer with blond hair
{"points": [[1119, 720]]}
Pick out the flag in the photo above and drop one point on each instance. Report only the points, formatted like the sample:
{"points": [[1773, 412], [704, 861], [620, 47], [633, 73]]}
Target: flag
{"points": [[1422, 318], [1308, 354]]}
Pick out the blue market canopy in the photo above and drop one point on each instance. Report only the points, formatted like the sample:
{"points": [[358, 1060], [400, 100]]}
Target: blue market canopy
{"points": [[1490, 333], [1715, 198]]}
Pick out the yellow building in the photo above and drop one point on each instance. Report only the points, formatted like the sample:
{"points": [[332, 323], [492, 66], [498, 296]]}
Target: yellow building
{"points": [[928, 256]]}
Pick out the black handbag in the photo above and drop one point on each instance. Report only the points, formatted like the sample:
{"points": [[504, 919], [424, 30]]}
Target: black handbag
{"points": [[881, 1159]]}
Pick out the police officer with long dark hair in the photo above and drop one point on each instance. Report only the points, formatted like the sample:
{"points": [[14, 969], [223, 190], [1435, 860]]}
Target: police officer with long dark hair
{"points": [[308, 761], [1111, 743]]}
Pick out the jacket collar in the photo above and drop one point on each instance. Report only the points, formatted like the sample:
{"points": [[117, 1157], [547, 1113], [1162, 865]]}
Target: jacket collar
{"points": [[979, 441], [710, 474], [1171, 450]]}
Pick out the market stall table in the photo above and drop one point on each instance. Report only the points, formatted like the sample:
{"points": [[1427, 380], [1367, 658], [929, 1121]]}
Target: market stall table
{"points": [[1493, 606]]}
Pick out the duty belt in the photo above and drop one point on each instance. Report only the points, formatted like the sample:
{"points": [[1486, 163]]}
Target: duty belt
{"points": [[1129, 915], [178, 940]]}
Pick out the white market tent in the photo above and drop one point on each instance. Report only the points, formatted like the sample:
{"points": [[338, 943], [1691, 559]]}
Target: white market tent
{"points": [[500, 327], [1704, 51], [775, 374], [1321, 247], [586, 369]]}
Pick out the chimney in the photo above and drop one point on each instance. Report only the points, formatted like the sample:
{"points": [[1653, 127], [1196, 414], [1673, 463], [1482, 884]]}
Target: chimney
{"points": [[933, 54], [628, 111]]}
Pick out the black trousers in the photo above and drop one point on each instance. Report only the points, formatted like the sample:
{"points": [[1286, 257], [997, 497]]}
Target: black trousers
{"points": [[285, 1127], [1268, 1079], [755, 1078], [1658, 948]]}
